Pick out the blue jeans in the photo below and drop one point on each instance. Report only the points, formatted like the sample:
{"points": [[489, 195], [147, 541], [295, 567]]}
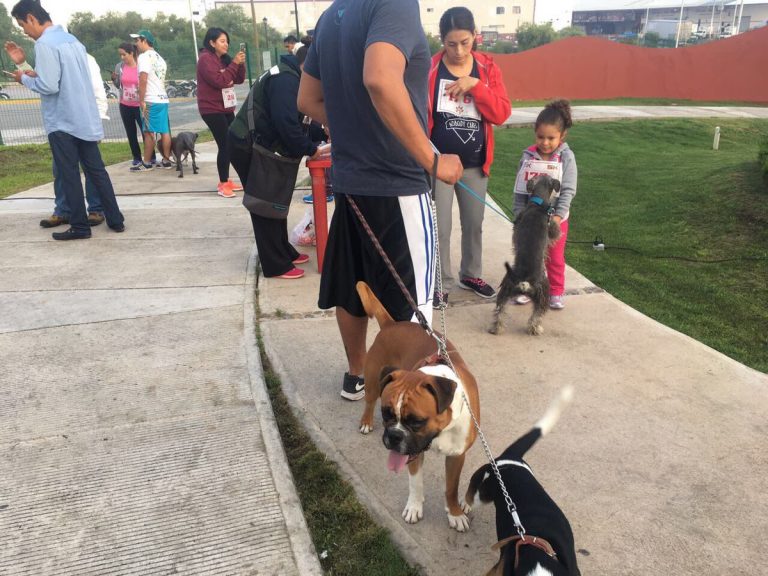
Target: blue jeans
{"points": [[69, 152], [61, 208]]}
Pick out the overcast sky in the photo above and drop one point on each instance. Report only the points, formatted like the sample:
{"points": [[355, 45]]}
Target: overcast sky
{"points": [[61, 10]]}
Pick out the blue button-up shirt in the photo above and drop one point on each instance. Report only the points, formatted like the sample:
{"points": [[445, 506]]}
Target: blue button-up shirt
{"points": [[64, 84]]}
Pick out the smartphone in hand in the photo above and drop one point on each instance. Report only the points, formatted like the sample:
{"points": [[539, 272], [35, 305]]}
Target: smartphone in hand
{"points": [[242, 46]]}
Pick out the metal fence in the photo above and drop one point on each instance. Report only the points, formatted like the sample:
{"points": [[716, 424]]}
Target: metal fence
{"points": [[21, 120]]}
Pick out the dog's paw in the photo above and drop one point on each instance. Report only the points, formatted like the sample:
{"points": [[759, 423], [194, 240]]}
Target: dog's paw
{"points": [[465, 507], [495, 328], [459, 523], [535, 329], [413, 512], [365, 428]]}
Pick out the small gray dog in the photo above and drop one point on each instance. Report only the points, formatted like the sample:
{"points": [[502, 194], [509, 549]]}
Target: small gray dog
{"points": [[533, 233], [182, 146]]}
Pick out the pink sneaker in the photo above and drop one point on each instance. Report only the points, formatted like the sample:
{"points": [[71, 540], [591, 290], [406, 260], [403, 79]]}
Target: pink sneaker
{"points": [[301, 259], [225, 190], [292, 274], [235, 187]]}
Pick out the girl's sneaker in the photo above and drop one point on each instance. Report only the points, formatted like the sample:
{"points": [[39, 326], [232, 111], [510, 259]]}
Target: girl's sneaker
{"points": [[141, 167], [292, 274], [301, 259], [225, 191], [557, 302], [235, 187], [522, 299]]}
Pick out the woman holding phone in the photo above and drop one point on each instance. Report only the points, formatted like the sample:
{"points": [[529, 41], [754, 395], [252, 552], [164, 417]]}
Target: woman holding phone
{"points": [[217, 74]]}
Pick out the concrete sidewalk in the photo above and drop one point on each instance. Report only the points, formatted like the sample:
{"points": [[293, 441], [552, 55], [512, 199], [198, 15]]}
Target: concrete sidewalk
{"points": [[138, 438], [136, 433], [659, 463]]}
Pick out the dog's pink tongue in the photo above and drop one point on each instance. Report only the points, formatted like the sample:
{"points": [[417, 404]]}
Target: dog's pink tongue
{"points": [[396, 461]]}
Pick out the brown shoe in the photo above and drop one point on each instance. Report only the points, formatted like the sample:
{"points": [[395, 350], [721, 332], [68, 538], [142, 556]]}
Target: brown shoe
{"points": [[53, 221], [94, 218]]}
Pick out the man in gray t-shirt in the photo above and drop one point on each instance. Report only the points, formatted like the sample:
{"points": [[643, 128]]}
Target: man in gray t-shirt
{"points": [[365, 78]]}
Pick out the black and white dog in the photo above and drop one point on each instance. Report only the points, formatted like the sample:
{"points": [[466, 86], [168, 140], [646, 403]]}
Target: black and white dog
{"points": [[534, 231], [548, 548]]}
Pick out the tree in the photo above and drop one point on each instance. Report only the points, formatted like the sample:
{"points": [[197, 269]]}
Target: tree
{"points": [[9, 31], [435, 44], [570, 31], [533, 35], [503, 47]]}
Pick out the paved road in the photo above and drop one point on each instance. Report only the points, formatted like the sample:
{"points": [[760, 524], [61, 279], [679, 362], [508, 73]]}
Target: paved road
{"points": [[21, 121]]}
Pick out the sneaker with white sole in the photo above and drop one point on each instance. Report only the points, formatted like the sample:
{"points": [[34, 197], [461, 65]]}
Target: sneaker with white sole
{"points": [[308, 199], [352, 387], [522, 299], [557, 302], [141, 167], [225, 190], [478, 286]]}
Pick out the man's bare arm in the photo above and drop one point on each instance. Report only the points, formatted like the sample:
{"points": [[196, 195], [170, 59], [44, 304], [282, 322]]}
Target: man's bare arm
{"points": [[310, 100], [383, 71]]}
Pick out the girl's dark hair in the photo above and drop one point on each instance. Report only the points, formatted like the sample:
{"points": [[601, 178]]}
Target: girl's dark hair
{"points": [[306, 40], [556, 113], [457, 18], [211, 36], [129, 47], [26, 7]]}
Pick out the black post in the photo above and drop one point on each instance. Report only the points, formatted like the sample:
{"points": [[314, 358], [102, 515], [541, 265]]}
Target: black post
{"points": [[296, 13]]}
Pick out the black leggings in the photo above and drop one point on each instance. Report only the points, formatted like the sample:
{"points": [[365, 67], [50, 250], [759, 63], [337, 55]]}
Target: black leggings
{"points": [[219, 125], [131, 116]]}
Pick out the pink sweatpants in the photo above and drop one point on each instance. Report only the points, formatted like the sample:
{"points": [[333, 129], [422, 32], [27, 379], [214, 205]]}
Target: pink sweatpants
{"points": [[556, 262]]}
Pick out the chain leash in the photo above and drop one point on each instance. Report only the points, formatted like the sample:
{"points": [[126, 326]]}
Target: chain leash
{"points": [[442, 348]]}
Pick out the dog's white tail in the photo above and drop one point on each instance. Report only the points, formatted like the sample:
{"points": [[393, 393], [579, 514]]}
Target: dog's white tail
{"points": [[552, 415]]}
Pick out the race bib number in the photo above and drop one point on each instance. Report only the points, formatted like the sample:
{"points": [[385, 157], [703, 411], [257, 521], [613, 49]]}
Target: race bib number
{"points": [[131, 94], [533, 168], [229, 97], [464, 106]]}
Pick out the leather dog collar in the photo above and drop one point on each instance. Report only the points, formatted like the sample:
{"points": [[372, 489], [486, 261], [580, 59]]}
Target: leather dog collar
{"points": [[539, 543]]}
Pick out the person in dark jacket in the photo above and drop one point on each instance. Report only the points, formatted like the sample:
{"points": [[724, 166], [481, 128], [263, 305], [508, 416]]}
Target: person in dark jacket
{"points": [[217, 74], [279, 129]]}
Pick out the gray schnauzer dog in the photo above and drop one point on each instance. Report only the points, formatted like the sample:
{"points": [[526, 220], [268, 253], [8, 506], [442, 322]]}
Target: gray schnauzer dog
{"points": [[533, 233]]}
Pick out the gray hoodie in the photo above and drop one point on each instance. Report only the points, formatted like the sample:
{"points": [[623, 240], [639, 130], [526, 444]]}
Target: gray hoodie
{"points": [[567, 181]]}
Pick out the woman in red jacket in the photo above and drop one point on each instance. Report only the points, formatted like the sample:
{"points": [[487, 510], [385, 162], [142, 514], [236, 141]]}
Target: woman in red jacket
{"points": [[217, 74], [466, 98]]}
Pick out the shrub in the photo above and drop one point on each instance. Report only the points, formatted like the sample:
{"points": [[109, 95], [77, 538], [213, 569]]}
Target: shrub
{"points": [[651, 39]]}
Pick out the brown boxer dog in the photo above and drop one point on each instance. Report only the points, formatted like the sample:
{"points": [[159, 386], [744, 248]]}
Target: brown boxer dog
{"points": [[422, 405]]}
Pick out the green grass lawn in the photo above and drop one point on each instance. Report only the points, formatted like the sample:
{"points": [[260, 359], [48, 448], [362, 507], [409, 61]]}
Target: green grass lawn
{"points": [[658, 188], [638, 102]]}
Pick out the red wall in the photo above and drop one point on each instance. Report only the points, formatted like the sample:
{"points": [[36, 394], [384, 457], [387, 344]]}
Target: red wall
{"points": [[578, 68]]}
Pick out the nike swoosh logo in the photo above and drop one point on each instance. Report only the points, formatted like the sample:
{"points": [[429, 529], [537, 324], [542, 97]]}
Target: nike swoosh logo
{"points": [[359, 386]]}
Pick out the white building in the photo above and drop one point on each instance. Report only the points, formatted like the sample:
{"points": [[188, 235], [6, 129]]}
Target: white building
{"points": [[491, 16], [630, 17]]}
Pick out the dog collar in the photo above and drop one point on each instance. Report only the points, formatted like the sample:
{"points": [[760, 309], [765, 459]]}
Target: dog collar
{"points": [[536, 200], [502, 463]]}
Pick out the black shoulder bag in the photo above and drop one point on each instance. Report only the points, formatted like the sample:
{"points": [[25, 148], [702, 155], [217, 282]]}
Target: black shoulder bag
{"points": [[271, 177]]}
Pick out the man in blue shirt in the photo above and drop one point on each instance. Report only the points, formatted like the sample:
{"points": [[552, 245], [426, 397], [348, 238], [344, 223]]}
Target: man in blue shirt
{"points": [[365, 78], [70, 116]]}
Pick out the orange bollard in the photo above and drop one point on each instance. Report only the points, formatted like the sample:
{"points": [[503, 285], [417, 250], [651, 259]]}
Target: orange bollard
{"points": [[319, 206]]}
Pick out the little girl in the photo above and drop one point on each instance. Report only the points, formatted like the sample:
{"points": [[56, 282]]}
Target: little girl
{"points": [[551, 155]]}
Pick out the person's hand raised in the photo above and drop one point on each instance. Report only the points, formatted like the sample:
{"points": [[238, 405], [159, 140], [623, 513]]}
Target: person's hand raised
{"points": [[15, 52], [239, 58]]}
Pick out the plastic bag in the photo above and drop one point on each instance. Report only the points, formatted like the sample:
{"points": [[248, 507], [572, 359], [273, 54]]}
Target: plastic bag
{"points": [[303, 234]]}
